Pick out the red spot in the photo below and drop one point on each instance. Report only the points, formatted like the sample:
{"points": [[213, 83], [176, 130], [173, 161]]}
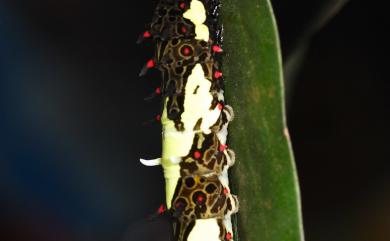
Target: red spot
{"points": [[217, 74], [158, 91], [161, 209], [147, 34], [150, 64], [217, 49], [199, 199], [158, 117], [197, 154], [225, 191], [183, 29], [228, 236], [186, 51], [182, 5], [220, 106], [222, 147]]}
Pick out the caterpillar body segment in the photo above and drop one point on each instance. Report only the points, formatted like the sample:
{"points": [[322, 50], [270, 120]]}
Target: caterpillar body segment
{"points": [[195, 156]]}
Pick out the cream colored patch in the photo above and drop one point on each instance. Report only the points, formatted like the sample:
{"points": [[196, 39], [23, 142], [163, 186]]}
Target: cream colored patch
{"points": [[178, 144], [197, 15], [202, 32], [205, 230], [228, 225]]}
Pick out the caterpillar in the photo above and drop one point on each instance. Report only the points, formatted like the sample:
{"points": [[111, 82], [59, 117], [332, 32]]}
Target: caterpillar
{"points": [[195, 118]]}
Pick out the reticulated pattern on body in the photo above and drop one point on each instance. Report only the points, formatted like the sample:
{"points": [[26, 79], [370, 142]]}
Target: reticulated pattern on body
{"points": [[195, 118]]}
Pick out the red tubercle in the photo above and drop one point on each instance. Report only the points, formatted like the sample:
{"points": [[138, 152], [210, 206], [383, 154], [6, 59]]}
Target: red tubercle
{"points": [[199, 199], [183, 29], [219, 106], [225, 191], [217, 74], [228, 236], [161, 209], [150, 63], [146, 34], [182, 5], [197, 154], [158, 117], [222, 147], [186, 51], [158, 90], [217, 49]]}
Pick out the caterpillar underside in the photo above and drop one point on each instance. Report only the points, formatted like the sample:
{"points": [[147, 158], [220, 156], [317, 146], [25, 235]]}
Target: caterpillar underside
{"points": [[195, 118]]}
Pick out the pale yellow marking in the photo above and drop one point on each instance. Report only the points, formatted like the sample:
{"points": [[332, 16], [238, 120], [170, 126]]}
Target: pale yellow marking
{"points": [[205, 230], [178, 144], [197, 15]]}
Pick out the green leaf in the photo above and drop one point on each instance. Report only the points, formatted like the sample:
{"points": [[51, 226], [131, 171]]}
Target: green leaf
{"points": [[264, 176]]}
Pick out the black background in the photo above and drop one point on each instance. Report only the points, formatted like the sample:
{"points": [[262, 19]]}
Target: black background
{"points": [[72, 114]]}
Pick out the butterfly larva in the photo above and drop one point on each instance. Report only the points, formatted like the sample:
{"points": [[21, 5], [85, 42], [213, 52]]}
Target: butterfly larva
{"points": [[195, 157]]}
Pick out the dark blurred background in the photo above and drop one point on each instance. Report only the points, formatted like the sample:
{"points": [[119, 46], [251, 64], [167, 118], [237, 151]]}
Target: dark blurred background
{"points": [[71, 114]]}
